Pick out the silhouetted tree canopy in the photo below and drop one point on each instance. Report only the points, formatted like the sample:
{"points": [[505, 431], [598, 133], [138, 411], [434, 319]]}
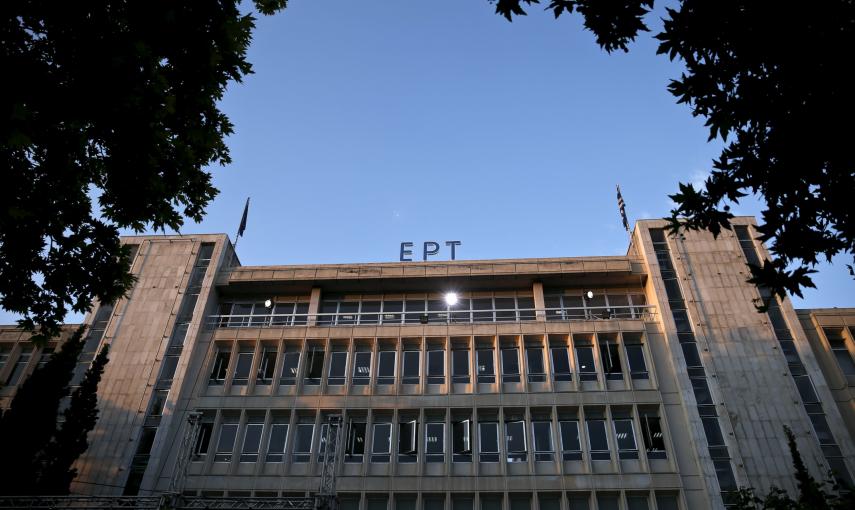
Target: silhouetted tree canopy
{"points": [[109, 119], [772, 81]]}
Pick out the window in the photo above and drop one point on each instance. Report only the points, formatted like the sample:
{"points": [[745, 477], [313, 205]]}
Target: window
{"points": [[510, 365], [625, 438], [488, 441], [4, 356], [520, 501], [483, 310], [267, 365], [436, 367], [243, 366], [435, 442], [407, 441], [571, 446], [303, 442], [578, 501], [338, 365], [666, 502], [226, 442], [167, 370], [839, 350], [460, 312], [505, 310], [635, 360], [462, 502], [651, 434], [561, 364], [526, 308], [362, 368], [491, 502], [377, 502], [608, 501], [158, 402], [283, 314], [610, 355], [542, 432], [44, 356], [534, 364], [392, 312], [355, 447], [221, 365], [370, 312], [411, 367], [146, 440], [278, 438], [381, 442], [461, 441], [585, 360], [597, 441], [415, 310], [460, 366], [404, 502], [515, 441], [486, 366], [290, 363], [433, 502], [315, 366], [251, 442], [549, 501], [203, 439], [19, 366], [386, 367]]}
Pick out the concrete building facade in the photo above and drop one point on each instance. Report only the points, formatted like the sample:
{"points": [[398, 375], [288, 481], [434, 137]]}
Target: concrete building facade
{"points": [[644, 381]]}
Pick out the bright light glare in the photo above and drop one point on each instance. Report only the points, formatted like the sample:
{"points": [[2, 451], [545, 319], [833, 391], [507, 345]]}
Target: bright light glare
{"points": [[451, 298], [268, 303], [590, 295]]}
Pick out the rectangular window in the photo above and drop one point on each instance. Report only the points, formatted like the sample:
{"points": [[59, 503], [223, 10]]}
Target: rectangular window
{"points": [[167, 370], [486, 366], [221, 365], [226, 442], [267, 366], [290, 364], [386, 367], [362, 369], [461, 441], [283, 314], [392, 312], [251, 442], [303, 442], [44, 356], [838, 348], [460, 312], [338, 365], [610, 355], [355, 447], [515, 441], [585, 361], [625, 438], [483, 310], [510, 365], [203, 439], [597, 442], [4, 356], [411, 367], [314, 366], [525, 307], [435, 442], [534, 364], [488, 441], [571, 446], [436, 367], [505, 310], [608, 501], [415, 311], [460, 366], [158, 402], [561, 364], [278, 439], [370, 312], [407, 441], [437, 311], [635, 360], [542, 432], [651, 434], [381, 442], [243, 366]]}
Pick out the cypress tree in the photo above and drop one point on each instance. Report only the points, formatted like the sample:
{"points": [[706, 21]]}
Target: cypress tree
{"points": [[29, 423], [71, 439]]}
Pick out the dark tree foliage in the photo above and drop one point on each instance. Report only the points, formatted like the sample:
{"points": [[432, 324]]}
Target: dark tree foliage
{"points": [[812, 494], [71, 441], [772, 81], [109, 120], [29, 423]]}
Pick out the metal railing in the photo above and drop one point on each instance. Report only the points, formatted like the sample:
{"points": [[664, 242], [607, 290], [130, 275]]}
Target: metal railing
{"points": [[470, 316], [166, 501]]}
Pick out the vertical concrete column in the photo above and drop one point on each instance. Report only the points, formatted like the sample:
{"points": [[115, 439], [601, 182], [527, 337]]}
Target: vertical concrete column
{"points": [[314, 305], [539, 302]]}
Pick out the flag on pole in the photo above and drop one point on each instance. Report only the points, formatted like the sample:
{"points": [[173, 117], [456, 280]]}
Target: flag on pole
{"points": [[242, 226], [622, 207]]}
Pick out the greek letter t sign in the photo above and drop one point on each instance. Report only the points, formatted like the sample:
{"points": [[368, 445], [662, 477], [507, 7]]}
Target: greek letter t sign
{"points": [[429, 248]]}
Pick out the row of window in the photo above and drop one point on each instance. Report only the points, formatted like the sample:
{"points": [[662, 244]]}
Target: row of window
{"points": [[344, 312], [837, 342], [574, 500], [515, 440], [337, 364]]}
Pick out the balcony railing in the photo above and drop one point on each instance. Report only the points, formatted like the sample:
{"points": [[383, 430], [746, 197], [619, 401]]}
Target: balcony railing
{"points": [[638, 312]]}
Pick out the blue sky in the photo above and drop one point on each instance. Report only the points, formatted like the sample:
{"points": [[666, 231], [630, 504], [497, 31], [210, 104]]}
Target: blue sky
{"points": [[371, 123]]}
